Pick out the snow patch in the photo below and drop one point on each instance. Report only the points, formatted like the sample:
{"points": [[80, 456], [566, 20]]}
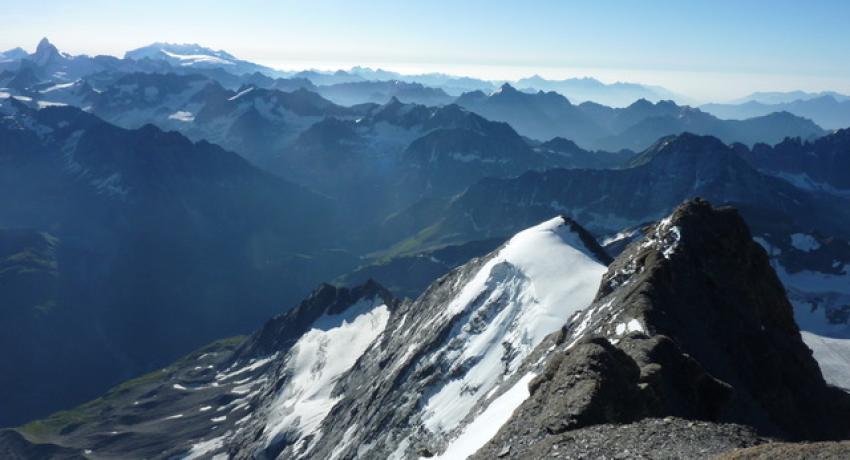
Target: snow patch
{"points": [[253, 365], [59, 86], [241, 93], [204, 448], [487, 424], [45, 104], [833, 357], [803, 242], [631, 326], [315, 363], [182, 115], [191, 59]]}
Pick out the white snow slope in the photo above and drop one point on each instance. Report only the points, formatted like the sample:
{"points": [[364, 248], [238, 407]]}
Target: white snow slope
{"points": [[315, 363], [528, 290]]}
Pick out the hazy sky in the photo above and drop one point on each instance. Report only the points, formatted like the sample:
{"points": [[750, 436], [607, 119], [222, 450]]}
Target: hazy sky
{"points": [[705, 49]]}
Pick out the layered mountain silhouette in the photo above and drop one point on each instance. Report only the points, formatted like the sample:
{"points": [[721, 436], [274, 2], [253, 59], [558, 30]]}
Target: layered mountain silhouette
{"points": [[672, 170], [141, 242], [619, 94], [546, 115], [829, 111]]}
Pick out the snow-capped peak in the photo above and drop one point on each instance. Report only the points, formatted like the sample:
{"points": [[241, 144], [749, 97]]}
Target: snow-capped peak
{"points": [[525, 292]]}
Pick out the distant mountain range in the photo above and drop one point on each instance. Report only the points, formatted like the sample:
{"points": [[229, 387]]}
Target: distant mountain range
{"points": [[830, 111], [305, 138], [579, 90], [140, 240], [781, 97], [361, 84], [197, 57], [161, 57], [653, 182], [545, 115]]}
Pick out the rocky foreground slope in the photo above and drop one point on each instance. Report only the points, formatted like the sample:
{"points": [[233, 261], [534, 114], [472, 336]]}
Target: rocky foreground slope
{"points": [[685, 346]]}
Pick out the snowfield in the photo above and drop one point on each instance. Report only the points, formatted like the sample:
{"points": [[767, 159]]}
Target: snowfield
{"points": [[315, 363], [527, 291], [833, 357]]}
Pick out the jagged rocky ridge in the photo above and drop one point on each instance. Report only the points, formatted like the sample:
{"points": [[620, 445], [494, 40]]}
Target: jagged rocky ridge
{"points": [[690, 322]]}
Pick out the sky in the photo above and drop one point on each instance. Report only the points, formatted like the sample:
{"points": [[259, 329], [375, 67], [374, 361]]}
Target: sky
{"points": [[708, 50]]}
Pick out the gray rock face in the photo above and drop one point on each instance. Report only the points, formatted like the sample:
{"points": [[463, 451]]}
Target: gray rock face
{"points": [[594, 383], [689, 322]]}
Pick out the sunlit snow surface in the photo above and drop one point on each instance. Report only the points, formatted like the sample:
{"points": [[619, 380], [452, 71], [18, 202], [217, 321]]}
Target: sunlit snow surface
{"points": [[527, 291], [316, 361], [182, 115], [487, 424], [192, 59], [833, 357]]}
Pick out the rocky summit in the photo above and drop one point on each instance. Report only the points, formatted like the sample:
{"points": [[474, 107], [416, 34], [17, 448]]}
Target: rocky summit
{"points": [[689, 322]]}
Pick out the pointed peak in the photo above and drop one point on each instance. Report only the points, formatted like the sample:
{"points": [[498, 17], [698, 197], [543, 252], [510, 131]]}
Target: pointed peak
{"points": [[506, 88], [685, 143], [46, 48], [641, 103], [44, 43], [45, 52], [561, 144], [327, 300], [587, 239]]}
